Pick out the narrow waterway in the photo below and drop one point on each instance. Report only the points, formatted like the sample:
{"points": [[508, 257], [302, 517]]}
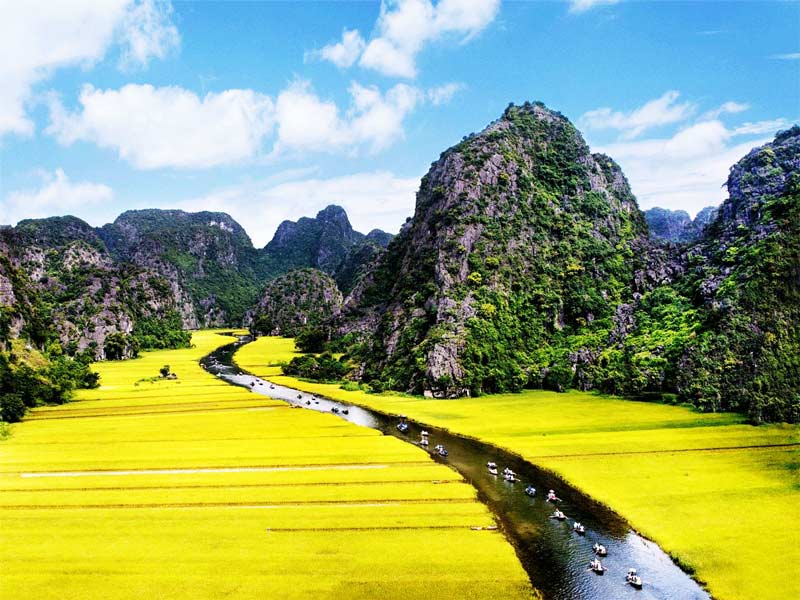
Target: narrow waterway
{"points": [[555, 557]]}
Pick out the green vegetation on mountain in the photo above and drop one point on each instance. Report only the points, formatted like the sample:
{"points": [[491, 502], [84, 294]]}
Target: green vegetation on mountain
{"points": [[328, 243], [676, 225], [304, 298], [528, 264]]}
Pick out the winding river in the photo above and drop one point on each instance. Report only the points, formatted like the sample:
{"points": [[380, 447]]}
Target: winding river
{"points": [[555, 558]]}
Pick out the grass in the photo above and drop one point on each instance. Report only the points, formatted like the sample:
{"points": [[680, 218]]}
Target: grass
{"points": [[721, 496], [197, 489]]}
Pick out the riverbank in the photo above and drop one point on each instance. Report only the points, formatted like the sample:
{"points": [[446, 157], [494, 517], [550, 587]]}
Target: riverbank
{"points": [[718, 494], [194, 488]]}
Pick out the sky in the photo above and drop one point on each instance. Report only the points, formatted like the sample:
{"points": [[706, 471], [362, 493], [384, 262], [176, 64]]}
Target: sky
{"points": [[273, 110]]}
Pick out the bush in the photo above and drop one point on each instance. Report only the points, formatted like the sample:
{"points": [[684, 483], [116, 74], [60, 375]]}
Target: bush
{"points": [[12, 408]]}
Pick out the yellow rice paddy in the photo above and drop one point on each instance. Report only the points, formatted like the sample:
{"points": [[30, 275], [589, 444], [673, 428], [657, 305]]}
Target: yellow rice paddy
{"points": [[197, 489], [721, 496]]}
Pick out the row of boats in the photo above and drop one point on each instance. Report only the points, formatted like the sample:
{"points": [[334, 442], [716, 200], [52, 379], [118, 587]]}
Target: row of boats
{"points": [[600, 550]]}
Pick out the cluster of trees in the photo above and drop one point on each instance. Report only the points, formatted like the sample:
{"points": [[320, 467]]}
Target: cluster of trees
{"points": [[47, 379], [319, 368]]}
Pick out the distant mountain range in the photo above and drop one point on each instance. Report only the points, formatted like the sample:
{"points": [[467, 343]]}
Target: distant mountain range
{"points": [[527, 263], [199, 269]]}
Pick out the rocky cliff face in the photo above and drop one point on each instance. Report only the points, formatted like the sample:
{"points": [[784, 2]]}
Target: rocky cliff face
{"points": [[744, 278], [676, 226], [206, 254], [328, 243], [58, 279], [301, 298], [528, 263], [520, 235]]}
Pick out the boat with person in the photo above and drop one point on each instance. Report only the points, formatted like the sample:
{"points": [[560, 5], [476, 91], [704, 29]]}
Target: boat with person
{"points": [[530, 491], [557, 514], [578, 528], [600, 550], [597, 567], [633, 579], [492, 467]]}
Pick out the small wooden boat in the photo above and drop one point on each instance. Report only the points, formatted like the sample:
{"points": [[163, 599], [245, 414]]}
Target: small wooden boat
{"points": [[558, 515], [492, 469], [551, 497], [597, 567], [579, 529], [345, 411], [440, 450], [424, 442], [510, 477], [600, 550], [633, 579], [402, 427], [531, 491]]}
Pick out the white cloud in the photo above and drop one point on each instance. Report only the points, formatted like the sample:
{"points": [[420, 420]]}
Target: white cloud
{"points": [[655, 113], [789, 56], [729, 108], [146, 32], [687, 170], [402, 30], [154, 128], [307, 123], [579, 6], [168, 127], [57, 196], [761, 127], [372, 200], [39, 36], [343, 54], [443, 93]]}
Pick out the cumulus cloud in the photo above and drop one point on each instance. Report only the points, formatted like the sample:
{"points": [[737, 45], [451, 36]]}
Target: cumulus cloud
{"points": [[402, 30], [171, 127], [56, 196], [308, 123], [580, 6], [38, 37], [688, 169], [372, 200], [343, 54], [655, 113], [167, 127]]}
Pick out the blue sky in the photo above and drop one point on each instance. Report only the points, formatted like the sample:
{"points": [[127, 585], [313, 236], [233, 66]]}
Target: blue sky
{"points": [[272, 110]]}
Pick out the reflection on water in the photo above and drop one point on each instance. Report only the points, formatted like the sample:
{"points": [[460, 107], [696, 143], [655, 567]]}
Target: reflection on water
{"points": [[556, 559]]}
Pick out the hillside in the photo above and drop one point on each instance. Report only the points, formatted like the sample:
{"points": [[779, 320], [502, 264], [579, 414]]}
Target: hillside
{"points": [[528, 264], [326, 242], [676, 225], [520, 249], [301, 298]]}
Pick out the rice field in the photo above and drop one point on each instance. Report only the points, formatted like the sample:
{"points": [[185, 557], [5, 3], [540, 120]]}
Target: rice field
{"points": [[197, 489], [721, 496]]}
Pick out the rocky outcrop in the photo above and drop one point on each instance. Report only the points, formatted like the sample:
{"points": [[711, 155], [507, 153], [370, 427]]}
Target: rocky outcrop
{"points": [[327, 242], [299, 299], [676, 226], [521, 226], [59, 280]]}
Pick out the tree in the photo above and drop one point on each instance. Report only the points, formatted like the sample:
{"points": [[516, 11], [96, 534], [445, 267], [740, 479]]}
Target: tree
{"points": [[311, 339], [164, 371]]}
